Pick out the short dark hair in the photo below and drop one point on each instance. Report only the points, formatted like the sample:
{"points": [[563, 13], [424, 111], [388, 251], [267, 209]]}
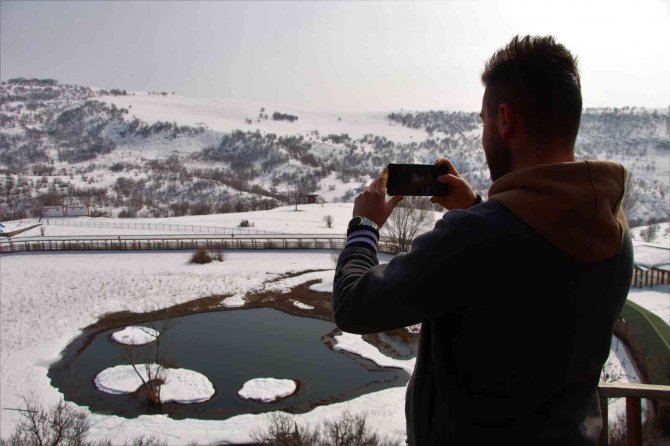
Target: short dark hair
{"points": [[539, 77]]}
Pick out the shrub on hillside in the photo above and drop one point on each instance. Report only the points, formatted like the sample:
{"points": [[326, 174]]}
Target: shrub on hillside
{"points": [[649, 233], [201, 256], [61, 424], [218, 255], [348, 430], [127, 213]]}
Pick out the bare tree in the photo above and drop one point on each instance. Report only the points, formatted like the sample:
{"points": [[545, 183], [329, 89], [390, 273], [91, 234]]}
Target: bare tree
{"points": [[347, 430], [410, 218], [148, 360], [649, 233], [62, 424], [631, 198], [328, 219], [283, 430], [59, 425]]}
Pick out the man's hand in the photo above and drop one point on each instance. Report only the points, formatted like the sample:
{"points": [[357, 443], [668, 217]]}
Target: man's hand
{"points": [[372, 204], [460, 194]]}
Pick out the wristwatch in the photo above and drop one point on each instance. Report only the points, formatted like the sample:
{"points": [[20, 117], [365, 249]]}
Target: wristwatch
{"points": [[362, 221]]}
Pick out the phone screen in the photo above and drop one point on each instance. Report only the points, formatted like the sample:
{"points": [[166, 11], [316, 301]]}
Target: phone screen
{"points": [[416, 179]]}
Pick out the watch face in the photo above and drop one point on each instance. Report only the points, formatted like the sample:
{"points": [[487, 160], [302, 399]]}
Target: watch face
{"points": [[355, 222]]}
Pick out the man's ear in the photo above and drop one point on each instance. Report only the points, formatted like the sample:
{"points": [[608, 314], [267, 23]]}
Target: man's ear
{"points": [[506, 121]]}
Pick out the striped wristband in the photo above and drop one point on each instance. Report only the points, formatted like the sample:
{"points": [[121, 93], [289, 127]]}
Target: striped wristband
{"points": [[362, 236]]}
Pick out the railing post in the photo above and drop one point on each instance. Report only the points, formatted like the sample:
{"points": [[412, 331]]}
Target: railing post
{"points": [[634, 420], [604, 433]]}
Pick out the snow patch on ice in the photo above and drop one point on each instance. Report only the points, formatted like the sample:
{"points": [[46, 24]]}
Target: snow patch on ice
{"points": [[354, 343], [326, 285], [302, 305], [234, 301], [414, 328], [135, 335], [285, 285], [267, 389], [179, 385]]}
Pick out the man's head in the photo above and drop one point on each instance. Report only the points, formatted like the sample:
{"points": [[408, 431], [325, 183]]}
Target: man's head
{"points": [[533, 97]]}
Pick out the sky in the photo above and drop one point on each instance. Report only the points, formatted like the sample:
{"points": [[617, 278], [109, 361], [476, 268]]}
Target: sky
{"points": [[338, 56]]}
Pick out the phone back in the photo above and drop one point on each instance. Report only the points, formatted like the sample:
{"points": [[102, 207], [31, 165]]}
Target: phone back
{"points": [[416, 179]]}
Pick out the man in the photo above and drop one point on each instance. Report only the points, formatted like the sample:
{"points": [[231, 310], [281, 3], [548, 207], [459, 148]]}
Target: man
{"points": [[517, 296]]}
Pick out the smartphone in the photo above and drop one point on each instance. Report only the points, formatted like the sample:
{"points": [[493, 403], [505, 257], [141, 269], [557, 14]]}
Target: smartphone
{"points": [[416, 179]]}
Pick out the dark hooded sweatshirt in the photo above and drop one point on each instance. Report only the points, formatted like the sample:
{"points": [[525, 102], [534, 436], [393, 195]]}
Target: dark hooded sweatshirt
{"points": [[517, 297]]}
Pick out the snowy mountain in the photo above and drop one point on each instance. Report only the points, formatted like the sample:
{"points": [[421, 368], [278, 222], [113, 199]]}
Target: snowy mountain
{"points": [[158, 154]]}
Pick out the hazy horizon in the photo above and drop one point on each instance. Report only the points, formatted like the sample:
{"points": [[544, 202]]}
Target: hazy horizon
{"points": [[332, 56]]}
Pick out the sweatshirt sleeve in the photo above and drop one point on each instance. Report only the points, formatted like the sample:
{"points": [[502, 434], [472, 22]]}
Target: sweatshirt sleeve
{"points": [[413, 287]]}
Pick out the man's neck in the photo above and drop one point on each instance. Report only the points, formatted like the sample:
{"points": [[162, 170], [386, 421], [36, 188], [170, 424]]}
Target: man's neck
{"points": [[529, 156]]}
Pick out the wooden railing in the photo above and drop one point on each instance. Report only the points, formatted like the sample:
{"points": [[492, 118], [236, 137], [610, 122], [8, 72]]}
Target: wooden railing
{"points": [[633, 394], [168, 242], [177, 242], [113, 223]]}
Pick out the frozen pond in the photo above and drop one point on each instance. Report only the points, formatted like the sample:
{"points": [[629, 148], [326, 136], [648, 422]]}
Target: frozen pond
{"points": [[230, 348]]}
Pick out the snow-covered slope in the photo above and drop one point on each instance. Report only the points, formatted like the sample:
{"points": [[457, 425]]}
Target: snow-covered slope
{"points": [[226, 115], [162, 154]]}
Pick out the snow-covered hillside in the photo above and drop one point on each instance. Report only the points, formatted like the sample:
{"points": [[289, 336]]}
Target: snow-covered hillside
{"points": [[230, 114], [161, 154]]}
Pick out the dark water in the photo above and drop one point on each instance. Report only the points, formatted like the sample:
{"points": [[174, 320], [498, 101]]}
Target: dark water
{"points": [[230, 348]]}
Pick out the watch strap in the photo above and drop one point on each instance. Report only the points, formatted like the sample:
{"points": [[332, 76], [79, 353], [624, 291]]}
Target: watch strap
{"points": [[362, 221], [362, 232]]}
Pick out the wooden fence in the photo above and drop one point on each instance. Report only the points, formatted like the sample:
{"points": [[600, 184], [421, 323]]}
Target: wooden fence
{"points": [[650, 277], [127, 224], [135, 243], [633, 394]]}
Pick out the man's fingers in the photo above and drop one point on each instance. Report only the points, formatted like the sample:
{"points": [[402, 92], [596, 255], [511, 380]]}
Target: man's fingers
{"points": [[448, 179], [383, 179], [446, 162], [393, 202], [380, 182]]}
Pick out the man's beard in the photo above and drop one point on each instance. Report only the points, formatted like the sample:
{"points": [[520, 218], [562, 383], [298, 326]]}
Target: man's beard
{"points": [[498, 157]]}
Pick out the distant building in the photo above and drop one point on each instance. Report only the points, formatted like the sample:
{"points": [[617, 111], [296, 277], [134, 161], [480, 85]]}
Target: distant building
{"points": [[651, 265], [64, 211], [311, 199], [53, 211], [308, 199], [76, 211]]}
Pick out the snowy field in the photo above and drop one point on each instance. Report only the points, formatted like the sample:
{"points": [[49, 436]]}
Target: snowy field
{"points": [[78, 288], [226, 115], [76, 293], [308, 219]]}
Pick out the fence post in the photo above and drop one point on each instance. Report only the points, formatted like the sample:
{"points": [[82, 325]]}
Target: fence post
{"points": [[604, 433], [634, 420]]}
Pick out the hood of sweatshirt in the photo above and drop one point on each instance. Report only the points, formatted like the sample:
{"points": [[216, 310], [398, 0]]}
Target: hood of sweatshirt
{"points": [[575, 206]]}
